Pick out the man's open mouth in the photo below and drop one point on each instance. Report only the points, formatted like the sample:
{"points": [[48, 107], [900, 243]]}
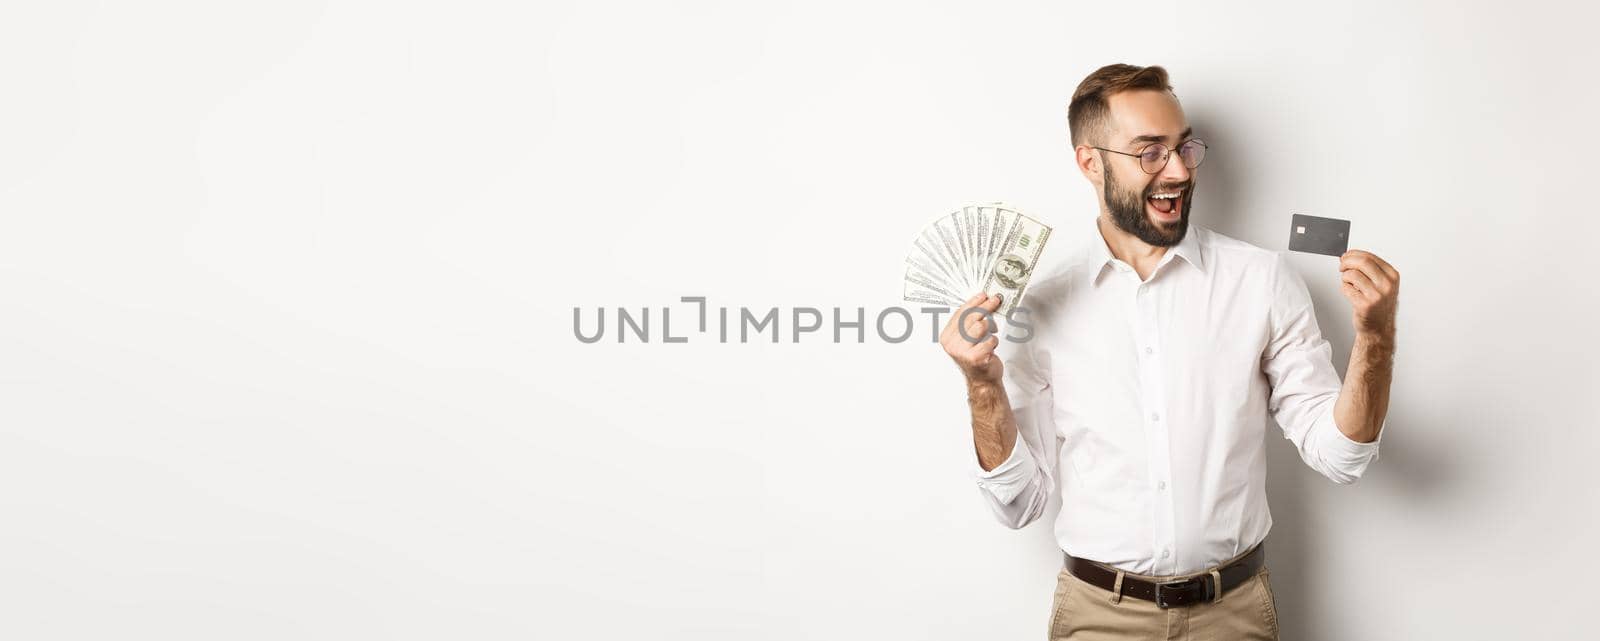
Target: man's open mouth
{"points": [[1167, 203]]}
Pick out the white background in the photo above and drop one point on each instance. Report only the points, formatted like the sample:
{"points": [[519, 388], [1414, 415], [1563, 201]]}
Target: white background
{"points": [[287, 292]]}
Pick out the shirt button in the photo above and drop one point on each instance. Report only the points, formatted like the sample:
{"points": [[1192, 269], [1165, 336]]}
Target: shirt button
{"points": [[1166, 553], [1162, 485], [1155, 417], [1148, 350]]}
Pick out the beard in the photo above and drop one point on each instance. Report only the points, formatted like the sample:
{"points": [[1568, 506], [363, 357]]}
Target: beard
{"points": [[1128, 213]]}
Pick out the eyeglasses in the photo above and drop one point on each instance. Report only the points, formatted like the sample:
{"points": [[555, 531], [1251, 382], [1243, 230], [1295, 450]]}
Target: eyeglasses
{"points": [[1153, 158]]}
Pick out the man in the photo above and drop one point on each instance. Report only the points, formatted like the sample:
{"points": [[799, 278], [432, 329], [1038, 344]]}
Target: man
{"points": [[1157, 353]]}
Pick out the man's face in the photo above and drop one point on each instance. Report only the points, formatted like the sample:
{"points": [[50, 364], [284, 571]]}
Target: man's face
{"points": [[1127, 189], [1010, 269]]}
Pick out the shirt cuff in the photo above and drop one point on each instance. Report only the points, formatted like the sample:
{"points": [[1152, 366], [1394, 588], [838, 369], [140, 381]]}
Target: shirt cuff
{"points": [[1008, 479], [1347, 453]]}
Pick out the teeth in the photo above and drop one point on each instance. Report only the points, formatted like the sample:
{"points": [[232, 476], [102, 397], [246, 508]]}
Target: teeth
{"points": [[1171, 195]]}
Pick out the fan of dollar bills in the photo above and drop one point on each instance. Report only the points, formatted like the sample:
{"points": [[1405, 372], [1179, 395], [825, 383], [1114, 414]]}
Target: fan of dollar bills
{"points": [[990, 248]]}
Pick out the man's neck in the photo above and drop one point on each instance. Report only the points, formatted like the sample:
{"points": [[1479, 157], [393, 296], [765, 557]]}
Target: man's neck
{"points": [[1129, 249]]}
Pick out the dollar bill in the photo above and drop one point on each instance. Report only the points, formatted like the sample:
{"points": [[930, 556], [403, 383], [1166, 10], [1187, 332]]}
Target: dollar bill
{"points": [[1018, 255], [990, 248]]}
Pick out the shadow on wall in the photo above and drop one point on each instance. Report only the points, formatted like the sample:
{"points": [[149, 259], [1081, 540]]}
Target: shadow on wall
{"points": [[1299, 497]]}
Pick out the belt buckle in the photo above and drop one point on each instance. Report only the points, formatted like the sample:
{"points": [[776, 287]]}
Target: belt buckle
{"points": [[1198, 586]]}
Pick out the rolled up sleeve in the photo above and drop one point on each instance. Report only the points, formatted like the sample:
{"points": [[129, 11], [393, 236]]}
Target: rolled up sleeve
{"points": [[1011, 478], [1298, 363]]}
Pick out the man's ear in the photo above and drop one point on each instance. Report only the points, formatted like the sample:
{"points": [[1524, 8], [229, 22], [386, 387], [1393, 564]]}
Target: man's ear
{"points": [[1089, 164]]}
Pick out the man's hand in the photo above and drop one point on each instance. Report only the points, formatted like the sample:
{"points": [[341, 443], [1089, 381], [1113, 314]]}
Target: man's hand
{"points": [[966, 338], [1373, 287]]}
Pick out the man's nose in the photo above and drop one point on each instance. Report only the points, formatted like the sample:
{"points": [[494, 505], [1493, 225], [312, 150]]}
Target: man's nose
{"points": [[1175, 171]]}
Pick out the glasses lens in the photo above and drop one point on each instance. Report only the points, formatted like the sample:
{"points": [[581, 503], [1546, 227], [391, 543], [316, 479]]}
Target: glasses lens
{"points": [[1153, 158], [1192, 153]]}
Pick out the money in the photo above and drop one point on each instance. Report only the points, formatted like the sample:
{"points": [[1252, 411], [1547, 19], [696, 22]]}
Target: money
{"points": [[1018, 256], [991, 248]]}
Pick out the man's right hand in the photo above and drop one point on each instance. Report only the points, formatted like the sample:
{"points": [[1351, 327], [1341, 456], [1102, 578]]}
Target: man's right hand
{"points": [[966, 338]]}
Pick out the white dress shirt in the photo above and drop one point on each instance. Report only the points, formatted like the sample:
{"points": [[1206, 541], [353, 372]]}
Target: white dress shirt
{"points": [[1144, 404]]}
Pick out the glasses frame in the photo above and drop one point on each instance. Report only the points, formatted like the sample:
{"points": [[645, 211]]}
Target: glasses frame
{"points": [[1166, 156]]}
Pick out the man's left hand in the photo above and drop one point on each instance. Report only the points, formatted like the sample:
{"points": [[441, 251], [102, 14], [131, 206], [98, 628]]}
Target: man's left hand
{"points": [[1373, 287]]}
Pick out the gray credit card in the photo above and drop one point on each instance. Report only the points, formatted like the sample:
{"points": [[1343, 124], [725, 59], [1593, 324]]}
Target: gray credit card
{"points": [[1319, 235]]}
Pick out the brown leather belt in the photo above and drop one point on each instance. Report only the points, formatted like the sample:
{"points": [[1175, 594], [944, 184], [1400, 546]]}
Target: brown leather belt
{"points": [[1196, 589]]}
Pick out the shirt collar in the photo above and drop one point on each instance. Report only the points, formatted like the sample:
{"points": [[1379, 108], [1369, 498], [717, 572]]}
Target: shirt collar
{"points": [[1100, 257]]}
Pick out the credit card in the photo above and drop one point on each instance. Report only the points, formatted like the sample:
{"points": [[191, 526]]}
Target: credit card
{"points": [[1318, 235]]}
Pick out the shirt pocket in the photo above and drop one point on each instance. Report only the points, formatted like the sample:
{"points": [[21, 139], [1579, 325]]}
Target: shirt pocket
{"points": [[1072, 434], [1087, 454], [1075, 459], [1231, 369]]}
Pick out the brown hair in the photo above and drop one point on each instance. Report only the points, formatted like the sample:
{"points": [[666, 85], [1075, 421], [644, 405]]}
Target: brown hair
{"points": [[1089, 114]]}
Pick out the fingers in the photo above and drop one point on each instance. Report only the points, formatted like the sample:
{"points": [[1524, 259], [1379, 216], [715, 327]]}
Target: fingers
{"points": [[976, 326], [1358, 280], [971, 321], [1388, 270], [984, 350], [1360, 261], [1376, 269], [977, 322], [956, 317], [1351, 291], [1380, 272], [1350, 258], [969, 339]]}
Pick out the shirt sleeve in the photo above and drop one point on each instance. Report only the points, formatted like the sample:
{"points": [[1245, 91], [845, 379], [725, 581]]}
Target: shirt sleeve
{"points": [[1018, 489], [1298, 363]]}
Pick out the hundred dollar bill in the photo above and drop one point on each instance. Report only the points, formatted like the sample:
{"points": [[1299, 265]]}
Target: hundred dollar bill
{"points": [[920, 283], [931, 298], [925, 257], [1019, 252], [989, 248]]}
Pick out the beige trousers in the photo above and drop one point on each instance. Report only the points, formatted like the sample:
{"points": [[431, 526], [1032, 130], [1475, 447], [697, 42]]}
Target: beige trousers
{"points": [[1085, 612]]}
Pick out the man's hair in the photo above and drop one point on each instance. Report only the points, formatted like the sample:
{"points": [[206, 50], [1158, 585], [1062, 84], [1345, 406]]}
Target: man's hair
{"points": [[1089, 114]]}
